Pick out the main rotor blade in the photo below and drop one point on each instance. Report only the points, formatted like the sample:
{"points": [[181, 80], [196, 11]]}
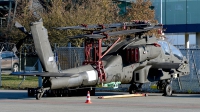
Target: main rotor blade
{"points": [[103, 26], [79, 27], [114, 33], [152, 27], [70, 27], [102, 34], [21, 28], [43, 74], [95, 34], [125, 32]]}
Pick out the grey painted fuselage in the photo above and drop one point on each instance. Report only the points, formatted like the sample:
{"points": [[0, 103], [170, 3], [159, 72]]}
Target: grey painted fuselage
{"points": [[149, 64]]}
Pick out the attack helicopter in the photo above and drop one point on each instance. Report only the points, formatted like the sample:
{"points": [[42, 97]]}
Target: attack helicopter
{"points": [[133, 61]]}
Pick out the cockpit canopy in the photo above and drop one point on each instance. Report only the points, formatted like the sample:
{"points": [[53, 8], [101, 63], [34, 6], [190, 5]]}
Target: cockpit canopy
{"points": [[170, 49]]}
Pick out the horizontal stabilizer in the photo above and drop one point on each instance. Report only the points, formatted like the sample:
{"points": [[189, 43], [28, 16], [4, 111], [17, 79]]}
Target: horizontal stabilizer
{"points": [[44, 74], [164, 65]]}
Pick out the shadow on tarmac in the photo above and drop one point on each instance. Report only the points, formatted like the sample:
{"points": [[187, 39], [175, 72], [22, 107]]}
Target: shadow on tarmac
{"points": [[177, 95], [13, 95], [109, 93], [185, 96], [17, 94]]}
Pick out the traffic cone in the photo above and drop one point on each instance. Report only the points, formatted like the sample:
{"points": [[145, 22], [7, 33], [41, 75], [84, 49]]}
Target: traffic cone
{"points": [[88, 98]]}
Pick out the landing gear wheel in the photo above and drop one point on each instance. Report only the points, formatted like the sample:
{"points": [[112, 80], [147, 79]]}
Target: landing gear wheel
{"points": [[38, 96], [133, 89], [167, 90], [40, 93]]}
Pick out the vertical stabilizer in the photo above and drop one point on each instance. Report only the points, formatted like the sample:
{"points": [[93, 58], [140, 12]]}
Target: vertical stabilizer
{"points": [[43, 47]]}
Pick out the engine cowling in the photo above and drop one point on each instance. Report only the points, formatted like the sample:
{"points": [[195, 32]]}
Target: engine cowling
{"points": [[141, 53]]}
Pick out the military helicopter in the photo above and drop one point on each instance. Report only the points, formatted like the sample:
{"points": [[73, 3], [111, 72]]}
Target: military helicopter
{"points": [[133, 61]]}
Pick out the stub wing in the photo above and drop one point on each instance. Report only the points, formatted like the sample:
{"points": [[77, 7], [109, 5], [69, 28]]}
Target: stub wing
{"points": [[44, 74], [180, 67], [164, 65]]}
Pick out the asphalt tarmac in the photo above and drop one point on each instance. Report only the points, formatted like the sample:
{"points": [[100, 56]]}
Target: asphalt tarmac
{"points": [[18, 101]]}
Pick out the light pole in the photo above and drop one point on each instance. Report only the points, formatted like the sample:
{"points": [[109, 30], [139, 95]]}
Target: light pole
{"points": [[161, 12], [0, 70], [0, 66]]}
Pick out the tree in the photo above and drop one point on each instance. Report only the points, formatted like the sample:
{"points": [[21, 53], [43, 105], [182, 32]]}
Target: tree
{"points": [[67, 13], [141, 10], [24, 16]]}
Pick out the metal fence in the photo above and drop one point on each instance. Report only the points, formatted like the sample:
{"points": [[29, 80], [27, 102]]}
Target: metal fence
{"points": [[192, 46], [73, 57], [189, 83], [6, 46], [69, 57]]}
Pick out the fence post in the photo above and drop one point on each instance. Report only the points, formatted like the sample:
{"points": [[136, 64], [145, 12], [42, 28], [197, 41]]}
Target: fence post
{"points": [[39, 70], [20, 63], [25, 61], [56, 56], [70, 61], [0, 70]]}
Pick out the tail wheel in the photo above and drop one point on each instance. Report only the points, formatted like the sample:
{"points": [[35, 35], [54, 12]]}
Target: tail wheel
{"points": [[15, 67], [167, 90]]}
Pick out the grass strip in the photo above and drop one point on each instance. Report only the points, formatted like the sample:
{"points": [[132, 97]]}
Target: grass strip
{"points": [[12, 82]]}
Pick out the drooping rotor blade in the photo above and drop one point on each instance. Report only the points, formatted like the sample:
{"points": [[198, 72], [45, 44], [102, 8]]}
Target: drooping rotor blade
{"points": [[21, 28], [75, 37], [79, 27], [94, 31], [102, 26], [20, 42], [44, 74], [152, 27], [95, 34], [123, 32], [102, 33], [70, 27], [114, 33]]}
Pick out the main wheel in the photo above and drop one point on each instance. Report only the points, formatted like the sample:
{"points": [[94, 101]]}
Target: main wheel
{"points": [[38, 96], [133, 89], [15, 68], [167, 90]]}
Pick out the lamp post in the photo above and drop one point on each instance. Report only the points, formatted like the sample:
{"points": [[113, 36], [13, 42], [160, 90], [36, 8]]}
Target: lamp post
{"points": [[161, 12], [0, 66], [0, 70]]}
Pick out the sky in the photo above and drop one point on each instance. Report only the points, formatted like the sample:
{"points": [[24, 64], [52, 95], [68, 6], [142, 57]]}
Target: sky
{"points": [[179, 39]]}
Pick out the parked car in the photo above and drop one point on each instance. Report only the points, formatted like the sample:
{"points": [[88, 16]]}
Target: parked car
{"points": [[9, 61]]}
